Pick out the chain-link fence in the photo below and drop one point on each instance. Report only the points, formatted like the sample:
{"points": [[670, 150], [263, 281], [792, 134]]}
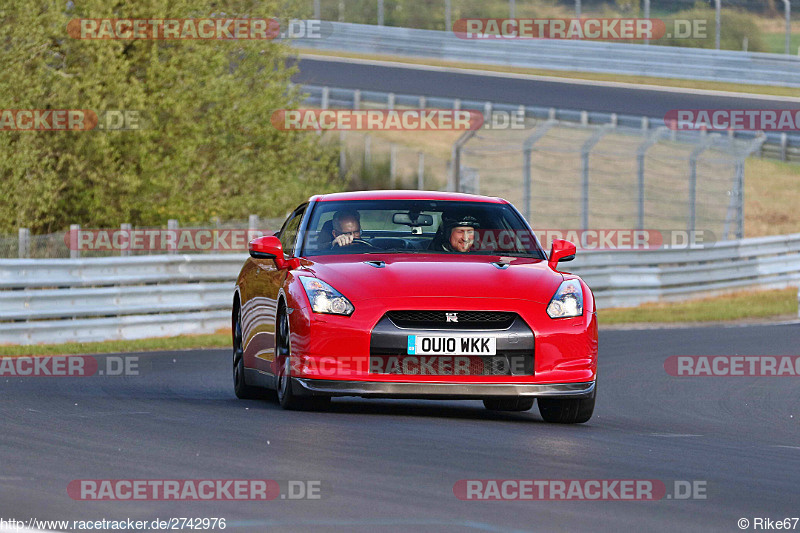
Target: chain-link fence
{"points": [[218, 236], [569, 176]]}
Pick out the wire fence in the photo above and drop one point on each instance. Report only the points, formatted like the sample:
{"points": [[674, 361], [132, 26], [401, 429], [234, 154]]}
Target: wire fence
{"points": [[216, 237], [569, 176]]}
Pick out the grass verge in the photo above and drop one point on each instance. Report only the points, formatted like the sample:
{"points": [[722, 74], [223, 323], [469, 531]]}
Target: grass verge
{"points": [[186, 342], [741, 305]]}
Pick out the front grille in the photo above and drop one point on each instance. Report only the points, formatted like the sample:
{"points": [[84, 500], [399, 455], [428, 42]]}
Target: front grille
{"points": [[462, 365], [464, 319]]}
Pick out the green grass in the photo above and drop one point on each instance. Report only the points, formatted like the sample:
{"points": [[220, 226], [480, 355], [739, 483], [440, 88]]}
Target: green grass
{"points": [[776, 42], [214, 340], [736, 306]]}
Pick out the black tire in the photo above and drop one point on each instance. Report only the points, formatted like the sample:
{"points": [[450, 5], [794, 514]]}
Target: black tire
{"points": [[520, 403], [242, 390], [283, 383], [567, 410]]}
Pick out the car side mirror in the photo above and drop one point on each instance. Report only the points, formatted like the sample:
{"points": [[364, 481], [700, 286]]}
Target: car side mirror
{"points": [[267, 248], [561, 250]]}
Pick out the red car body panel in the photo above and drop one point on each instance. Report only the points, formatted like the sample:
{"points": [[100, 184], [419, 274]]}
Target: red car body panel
{"points": [[334, 347]]}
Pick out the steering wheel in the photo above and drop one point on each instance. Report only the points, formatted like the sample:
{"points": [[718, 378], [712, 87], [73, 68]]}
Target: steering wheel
{"points": [[360, 241]]}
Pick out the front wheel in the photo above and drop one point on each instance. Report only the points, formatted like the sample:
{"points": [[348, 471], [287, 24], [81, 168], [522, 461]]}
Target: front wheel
{"points": [[567, 410], [286, 396]]}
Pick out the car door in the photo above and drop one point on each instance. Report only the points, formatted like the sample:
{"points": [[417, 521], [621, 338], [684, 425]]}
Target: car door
{"points": [[264, 282]]}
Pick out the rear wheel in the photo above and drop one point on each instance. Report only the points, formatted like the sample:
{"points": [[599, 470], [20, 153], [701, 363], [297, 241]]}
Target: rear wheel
{"points": [[508, 404], [286, 396], [242, 390], [567, 410]]}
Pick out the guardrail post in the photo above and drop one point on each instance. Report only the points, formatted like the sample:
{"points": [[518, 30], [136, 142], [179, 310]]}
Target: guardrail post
{"points": [[24, 243], [172, 227], [718, 21], [448, 18], [788, 9], [326, 93], [380, 12], [614, 119], [125, 227], [551, 113], [586, 150], [784, 144], [317, 9], [645, 123], [455, 160], [584, 118], [357, 99], [423, 102], [512, 9], [577, 8], [341, 10], [457, 104], [390, 101], [392, 165], [252, 222], [798, 302], [421, 171], [527, 149], [647, 15], [641, 152], [74, 251], [367, 151], [487, 113]]}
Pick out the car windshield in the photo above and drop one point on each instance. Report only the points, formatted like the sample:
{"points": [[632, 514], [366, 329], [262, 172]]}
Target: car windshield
{"points": [[418, 226]]}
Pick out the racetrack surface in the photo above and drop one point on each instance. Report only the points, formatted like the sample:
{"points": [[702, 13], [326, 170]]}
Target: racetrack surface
{"points": [[390, 465], [567, 94]]}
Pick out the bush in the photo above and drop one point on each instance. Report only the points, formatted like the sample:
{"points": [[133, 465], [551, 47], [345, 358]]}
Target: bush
{"points": [[734, 27], [207, 149]]}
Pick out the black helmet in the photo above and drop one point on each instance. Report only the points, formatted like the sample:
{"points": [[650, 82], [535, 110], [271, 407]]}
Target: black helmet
{"points": [[450, 222]]}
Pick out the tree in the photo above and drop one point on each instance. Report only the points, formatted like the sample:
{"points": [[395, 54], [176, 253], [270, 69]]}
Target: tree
{"points": [[205, 148]]}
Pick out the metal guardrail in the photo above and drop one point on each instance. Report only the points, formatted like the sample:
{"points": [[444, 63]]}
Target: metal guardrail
{"points": [[569, 55], [783, 146], [85, 300], [66, 300], [630, 278]]}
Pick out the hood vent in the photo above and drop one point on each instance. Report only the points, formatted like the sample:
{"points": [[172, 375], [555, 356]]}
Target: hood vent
{"points": [[376, 264], [500, 265]]}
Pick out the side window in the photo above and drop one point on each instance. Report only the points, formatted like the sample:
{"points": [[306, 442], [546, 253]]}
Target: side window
{"points": [[288, 234]]}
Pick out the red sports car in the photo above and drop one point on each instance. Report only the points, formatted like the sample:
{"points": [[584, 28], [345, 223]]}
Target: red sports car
{"points": [[411, 294]]}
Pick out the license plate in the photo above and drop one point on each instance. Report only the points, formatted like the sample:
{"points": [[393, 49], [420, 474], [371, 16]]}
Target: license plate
{"points": [[451, 345]]}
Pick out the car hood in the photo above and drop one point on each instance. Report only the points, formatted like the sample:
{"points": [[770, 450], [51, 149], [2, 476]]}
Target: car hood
{"points": [[431, 275]]}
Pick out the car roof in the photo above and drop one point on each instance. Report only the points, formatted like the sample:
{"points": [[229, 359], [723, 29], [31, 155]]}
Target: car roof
{"points": [[405, 195]]}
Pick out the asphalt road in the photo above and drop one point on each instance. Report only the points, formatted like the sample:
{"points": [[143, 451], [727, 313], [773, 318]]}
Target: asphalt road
{"points": [[390, 465], [565, 95]]}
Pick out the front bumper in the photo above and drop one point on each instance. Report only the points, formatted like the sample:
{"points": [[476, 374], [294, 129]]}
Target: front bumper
{"points": [[460, 391]]}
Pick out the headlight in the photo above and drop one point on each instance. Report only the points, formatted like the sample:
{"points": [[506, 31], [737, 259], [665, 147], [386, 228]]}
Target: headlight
{"points": [[326, 299], [568, 300]]}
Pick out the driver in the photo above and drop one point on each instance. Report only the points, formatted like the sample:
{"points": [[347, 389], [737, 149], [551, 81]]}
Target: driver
{"points": [[460, 233], [346, 227]]}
